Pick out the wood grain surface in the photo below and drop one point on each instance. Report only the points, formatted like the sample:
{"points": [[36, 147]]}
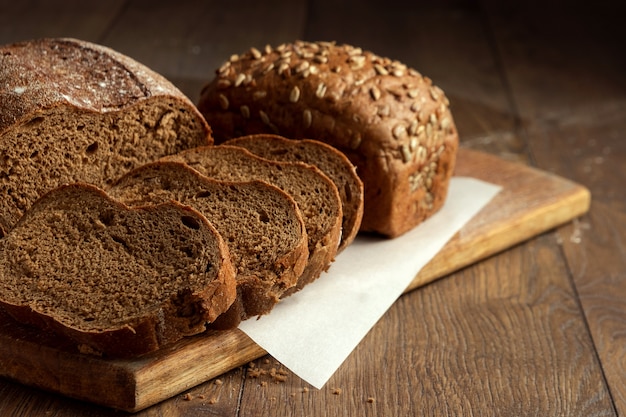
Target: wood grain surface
{"points": [[537, 329]]}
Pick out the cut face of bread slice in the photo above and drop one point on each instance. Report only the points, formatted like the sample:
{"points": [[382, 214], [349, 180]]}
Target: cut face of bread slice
{"points": [[117, 280], [261, 225], [76, 111], [332, 162], [316, 195]]}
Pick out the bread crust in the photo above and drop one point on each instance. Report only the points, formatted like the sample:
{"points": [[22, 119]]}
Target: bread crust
{"points": [[389, 120], [49, 72], [79, 111]]}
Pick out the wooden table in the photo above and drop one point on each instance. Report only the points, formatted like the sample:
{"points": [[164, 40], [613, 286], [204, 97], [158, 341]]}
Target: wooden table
{"points": [[537, 330]]}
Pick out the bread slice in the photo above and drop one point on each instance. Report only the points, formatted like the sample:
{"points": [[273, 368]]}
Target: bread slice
{"points": [[316, 195], [392, 122], [118, 281], [77, 111], [261, 225], [332, 162]]}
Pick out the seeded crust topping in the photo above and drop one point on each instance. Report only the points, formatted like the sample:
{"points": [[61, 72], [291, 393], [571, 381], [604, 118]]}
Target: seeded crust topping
{"points": [[355, 100]]}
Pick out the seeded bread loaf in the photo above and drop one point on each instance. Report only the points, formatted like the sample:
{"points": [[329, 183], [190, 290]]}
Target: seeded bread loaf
{"points": [[389, 120], [261, 225], [332, 163], [118, 281], [75, 111], [316, 195]]}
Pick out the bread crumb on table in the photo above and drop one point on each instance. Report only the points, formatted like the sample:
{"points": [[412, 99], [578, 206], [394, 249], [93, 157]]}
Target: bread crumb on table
{"points": [[337, 391], [275, 374], [371, 400]]}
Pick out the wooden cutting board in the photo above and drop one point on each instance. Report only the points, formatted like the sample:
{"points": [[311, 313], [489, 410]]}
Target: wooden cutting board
{"points": [[531, 202]]}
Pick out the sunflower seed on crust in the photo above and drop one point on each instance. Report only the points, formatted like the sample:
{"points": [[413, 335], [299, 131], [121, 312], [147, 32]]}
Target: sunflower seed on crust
{"points": [[264, 117], [380, 70], [307, 118], [256, 54], [399, 131], [223, 101], [320, 92], [294, 95], [240, 79], [375, 92]]}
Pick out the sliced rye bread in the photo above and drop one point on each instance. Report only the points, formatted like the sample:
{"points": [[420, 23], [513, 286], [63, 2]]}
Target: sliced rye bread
{"points": [[119, 281], [260, 223], [76, 111], [331, 161], [316, 195]]}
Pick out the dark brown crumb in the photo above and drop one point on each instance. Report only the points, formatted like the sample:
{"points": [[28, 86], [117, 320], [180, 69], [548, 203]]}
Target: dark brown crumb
{"points": [[371, 400], [276, 374], [255, 373]]}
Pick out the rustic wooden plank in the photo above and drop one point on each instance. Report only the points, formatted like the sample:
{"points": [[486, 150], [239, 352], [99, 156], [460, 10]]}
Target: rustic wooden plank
{"points": [[188, 42], [574, 109], [594, 245], [29, 19], [504, 337], [596, 255]]}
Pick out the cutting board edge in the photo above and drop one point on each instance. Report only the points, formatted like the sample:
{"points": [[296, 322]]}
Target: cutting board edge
{"points": [[580, 200]]}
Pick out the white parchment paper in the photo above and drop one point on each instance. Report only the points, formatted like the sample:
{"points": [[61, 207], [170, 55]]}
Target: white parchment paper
{"points": [[313, 331]]}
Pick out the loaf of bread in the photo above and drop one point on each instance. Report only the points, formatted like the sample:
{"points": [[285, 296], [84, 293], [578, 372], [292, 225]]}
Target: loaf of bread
{"points": [[332, 163], [316, 195], [389, 120], [118, 281], [75, 111], [261, 225]]}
